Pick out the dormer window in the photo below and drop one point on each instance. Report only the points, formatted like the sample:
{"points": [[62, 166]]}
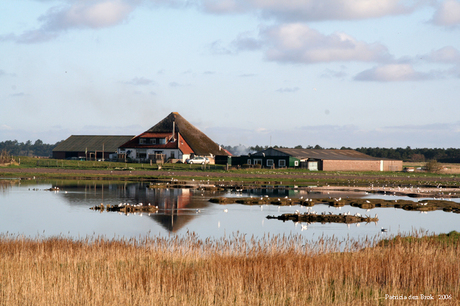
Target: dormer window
{"points": [[142, 141], [153, 141]]}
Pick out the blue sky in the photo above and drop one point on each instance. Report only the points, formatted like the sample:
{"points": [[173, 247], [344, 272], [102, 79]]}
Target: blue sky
{"points": [[354, 73]]}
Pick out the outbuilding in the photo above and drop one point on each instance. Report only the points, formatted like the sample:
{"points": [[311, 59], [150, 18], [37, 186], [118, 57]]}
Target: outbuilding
{"points": [[89, 147], [319, 160]]}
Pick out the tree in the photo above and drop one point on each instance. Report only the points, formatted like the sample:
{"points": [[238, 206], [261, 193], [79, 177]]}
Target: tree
{"points": [[417, 157], [433, 166]]}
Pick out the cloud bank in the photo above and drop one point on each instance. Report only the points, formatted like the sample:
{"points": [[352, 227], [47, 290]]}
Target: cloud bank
{"points": [[79, 14], [313, 10], [300, 44], [447, 14]]}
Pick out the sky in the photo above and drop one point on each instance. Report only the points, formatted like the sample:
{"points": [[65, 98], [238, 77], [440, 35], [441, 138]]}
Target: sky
{"points": [[334, 73]]}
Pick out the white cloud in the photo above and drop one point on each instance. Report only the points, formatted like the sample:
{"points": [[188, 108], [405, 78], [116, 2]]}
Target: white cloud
{"points": [[83, 14], [76, 15], [5, 127], [392, 73], [299, 43], [140, 81], [447, 14], [288, 89], [313, 10], [444, 55]]}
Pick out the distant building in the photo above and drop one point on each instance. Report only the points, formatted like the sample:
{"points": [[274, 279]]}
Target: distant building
{"points": [[172, 139], [89, 147], [317, 159]]}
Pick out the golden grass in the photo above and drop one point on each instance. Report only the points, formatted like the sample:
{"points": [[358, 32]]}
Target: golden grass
{"points": [[273, 270]]}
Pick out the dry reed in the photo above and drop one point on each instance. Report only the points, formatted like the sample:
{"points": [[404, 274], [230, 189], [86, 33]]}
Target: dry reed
{"points": [[273, 270]]}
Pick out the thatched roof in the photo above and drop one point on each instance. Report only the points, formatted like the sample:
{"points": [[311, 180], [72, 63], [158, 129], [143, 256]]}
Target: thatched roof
{"points": [[80, 143], [197, 140]]}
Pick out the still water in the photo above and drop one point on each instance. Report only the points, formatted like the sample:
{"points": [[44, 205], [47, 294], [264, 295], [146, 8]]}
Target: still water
{"points": [[28, 208]]}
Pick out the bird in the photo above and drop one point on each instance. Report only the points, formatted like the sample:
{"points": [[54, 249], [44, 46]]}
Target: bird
{"points": [[225, 210], [383, 230], [304, 227]]}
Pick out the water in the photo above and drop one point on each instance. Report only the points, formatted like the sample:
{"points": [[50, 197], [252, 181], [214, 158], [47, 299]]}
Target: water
{"points": [[29, 209]]}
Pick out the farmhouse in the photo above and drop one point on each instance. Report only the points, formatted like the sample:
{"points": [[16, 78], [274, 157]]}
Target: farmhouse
{"points": [[319, 159], [172, 139], [89, 147]]}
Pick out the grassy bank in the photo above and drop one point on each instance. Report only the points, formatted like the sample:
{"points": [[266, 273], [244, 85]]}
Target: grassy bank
{"points": [[234, 271], [91, 170]]}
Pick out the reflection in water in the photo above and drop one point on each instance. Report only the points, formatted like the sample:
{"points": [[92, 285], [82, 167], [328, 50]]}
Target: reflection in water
{"points": [[28, 208], [176, 206], [5, 184]]}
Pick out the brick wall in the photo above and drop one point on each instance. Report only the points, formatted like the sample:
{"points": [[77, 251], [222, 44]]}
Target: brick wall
{"points": [[361, 165], [392, 165]]}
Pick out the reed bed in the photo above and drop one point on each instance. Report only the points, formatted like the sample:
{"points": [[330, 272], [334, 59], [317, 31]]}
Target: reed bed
{"points": [[272, 270]]}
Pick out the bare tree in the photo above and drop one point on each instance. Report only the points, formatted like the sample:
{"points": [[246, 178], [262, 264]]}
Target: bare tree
{"points": [[433, 166]]}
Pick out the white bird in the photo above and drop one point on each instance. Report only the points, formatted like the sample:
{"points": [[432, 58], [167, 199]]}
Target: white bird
{"points": [[304, 227], [225, 210]]}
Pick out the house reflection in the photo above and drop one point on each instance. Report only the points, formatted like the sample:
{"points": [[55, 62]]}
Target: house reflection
{"points": [[177, 207]]}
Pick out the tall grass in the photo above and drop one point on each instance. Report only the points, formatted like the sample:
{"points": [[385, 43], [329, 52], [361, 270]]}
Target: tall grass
{"points": [[273, 270]]}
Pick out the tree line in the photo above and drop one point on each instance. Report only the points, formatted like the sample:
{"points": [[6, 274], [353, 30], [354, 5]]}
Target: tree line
{"points": [[449, 155], [38, 148]]}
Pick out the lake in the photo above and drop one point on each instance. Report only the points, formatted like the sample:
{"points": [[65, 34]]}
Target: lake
{"points": [[29, 208]]}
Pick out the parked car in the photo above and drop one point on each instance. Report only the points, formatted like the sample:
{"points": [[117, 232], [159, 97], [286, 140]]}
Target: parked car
{"points": [[198, 160]]}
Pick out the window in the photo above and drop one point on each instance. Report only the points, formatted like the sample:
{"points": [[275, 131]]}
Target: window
{"points": [[269, 162], [141, 154], [296, 163], [162, 141], [142, 141], [153, 141], [282, 163], [249, 161], [257, 161]]}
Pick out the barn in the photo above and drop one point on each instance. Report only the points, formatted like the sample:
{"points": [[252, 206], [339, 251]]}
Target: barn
{"points": [[89, 147], [319, 160]]}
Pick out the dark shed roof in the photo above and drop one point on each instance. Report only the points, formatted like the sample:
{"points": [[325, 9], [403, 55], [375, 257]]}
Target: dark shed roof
{"points": [[197, 140], [80, 143], [322, 154]]}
